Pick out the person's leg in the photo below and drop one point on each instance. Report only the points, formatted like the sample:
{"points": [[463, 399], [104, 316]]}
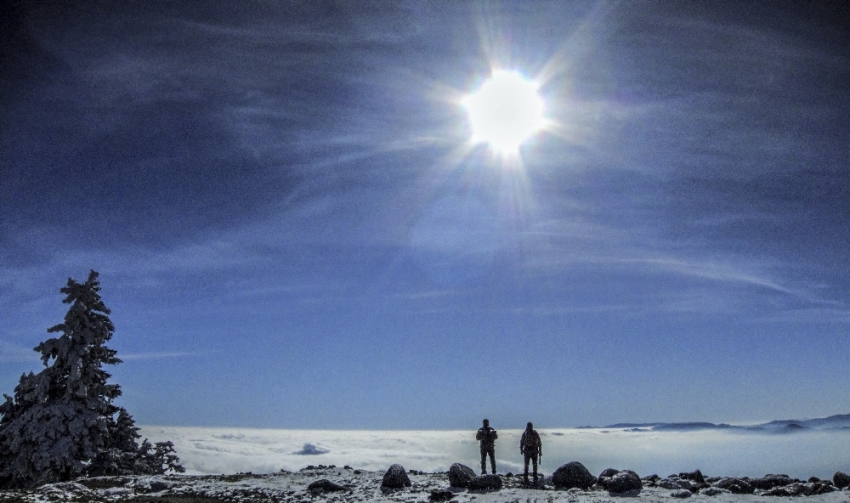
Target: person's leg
{"points": [[525, 475], [534, 464], [483, 461], [493, 459]]}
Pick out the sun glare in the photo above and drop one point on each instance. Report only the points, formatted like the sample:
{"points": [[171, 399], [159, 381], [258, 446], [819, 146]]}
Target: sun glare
{"points": [[505, 111]]}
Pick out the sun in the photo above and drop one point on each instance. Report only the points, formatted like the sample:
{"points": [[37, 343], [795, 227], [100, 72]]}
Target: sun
{"points": [[505, 111]]}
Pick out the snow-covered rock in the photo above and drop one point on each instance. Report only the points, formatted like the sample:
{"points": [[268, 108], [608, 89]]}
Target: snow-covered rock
{"points": [[841, 479], [395, 478], [324, 485], [714, 491], [770, 481], [485, 483], [460, 475], [573, 474], [620, 482], [735, 485]]}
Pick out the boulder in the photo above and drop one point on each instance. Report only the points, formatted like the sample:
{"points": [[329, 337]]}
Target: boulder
{"points": [[616, 481], [485, 483], [714, 491], [695, 475], [819, 488], [324, 485], [795, 489], [625, 481], [684, 493], [736, 486], [441, 495], [770, 481], [841, 480], [395, 478], [572, 474], [652, 479], [606, 473], [674, 482], [782, 491], [460, 475]]}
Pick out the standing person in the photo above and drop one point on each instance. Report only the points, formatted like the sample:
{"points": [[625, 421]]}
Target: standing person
{"points": [[487, 436], [531, 448]]}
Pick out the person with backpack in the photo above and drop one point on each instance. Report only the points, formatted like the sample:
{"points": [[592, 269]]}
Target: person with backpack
{"points": [[531, 448], [487, 436]]}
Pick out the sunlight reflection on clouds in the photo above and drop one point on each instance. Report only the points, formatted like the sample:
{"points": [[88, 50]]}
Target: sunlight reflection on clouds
{"points": [[716, 453]]}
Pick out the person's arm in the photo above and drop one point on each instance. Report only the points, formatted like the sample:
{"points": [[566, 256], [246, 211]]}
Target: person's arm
{"points": [[479, 435]]}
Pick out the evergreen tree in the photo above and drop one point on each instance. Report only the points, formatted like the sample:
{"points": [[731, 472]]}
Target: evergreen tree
{"points": [[61, 422]]}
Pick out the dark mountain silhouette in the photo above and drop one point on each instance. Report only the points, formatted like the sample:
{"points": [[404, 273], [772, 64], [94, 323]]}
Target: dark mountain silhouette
{"points": [[836, 422]]}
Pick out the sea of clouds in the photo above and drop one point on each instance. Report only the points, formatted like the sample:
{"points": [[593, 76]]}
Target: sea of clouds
{"points": [[716, 453]]}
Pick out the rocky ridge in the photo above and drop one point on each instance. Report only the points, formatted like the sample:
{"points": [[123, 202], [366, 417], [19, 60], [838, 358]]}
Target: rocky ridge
{"points": [[330, 483]]}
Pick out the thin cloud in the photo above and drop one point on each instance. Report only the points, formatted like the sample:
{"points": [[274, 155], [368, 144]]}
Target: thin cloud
{"points": [[431, 294], [712, 271], [156, 355]]}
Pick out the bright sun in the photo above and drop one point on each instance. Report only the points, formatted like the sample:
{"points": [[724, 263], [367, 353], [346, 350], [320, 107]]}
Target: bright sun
{"points": [[505, 111]]}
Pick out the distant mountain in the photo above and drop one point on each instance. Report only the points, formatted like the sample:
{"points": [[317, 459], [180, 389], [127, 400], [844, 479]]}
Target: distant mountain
{"points": [[836, 422]]}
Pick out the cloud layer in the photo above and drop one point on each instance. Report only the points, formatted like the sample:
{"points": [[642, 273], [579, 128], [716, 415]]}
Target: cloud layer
{"points": [[715, 453]]}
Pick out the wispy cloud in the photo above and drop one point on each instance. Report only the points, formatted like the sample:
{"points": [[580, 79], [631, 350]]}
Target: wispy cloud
{"points": [[430, 294], [156, 355], [711, 271]]}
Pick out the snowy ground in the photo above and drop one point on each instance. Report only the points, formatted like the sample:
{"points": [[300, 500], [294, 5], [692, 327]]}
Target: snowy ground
{"points": [[360, 486]]}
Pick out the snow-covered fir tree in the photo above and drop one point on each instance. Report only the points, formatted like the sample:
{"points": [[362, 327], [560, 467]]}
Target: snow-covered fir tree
{"points": [[62, 423]]}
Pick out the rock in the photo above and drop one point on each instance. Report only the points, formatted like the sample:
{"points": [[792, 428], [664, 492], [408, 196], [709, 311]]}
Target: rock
{"points": [[841, 480], [695, 475], [795, 489], [606, 473], [460, 475], [539, 484], [778, 491], [485, 483], [770, 481], [736, 486], [324, 485], [615, 481], [118, 493], [674, 482], [441, 495], [151, 485], [60, 490], [714, 491], [573, 474], [395, 478], [684, 493], [819, 488]]}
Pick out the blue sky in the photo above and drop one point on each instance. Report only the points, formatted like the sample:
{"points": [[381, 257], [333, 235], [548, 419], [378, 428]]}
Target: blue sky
{"points": [[293, 230]]}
